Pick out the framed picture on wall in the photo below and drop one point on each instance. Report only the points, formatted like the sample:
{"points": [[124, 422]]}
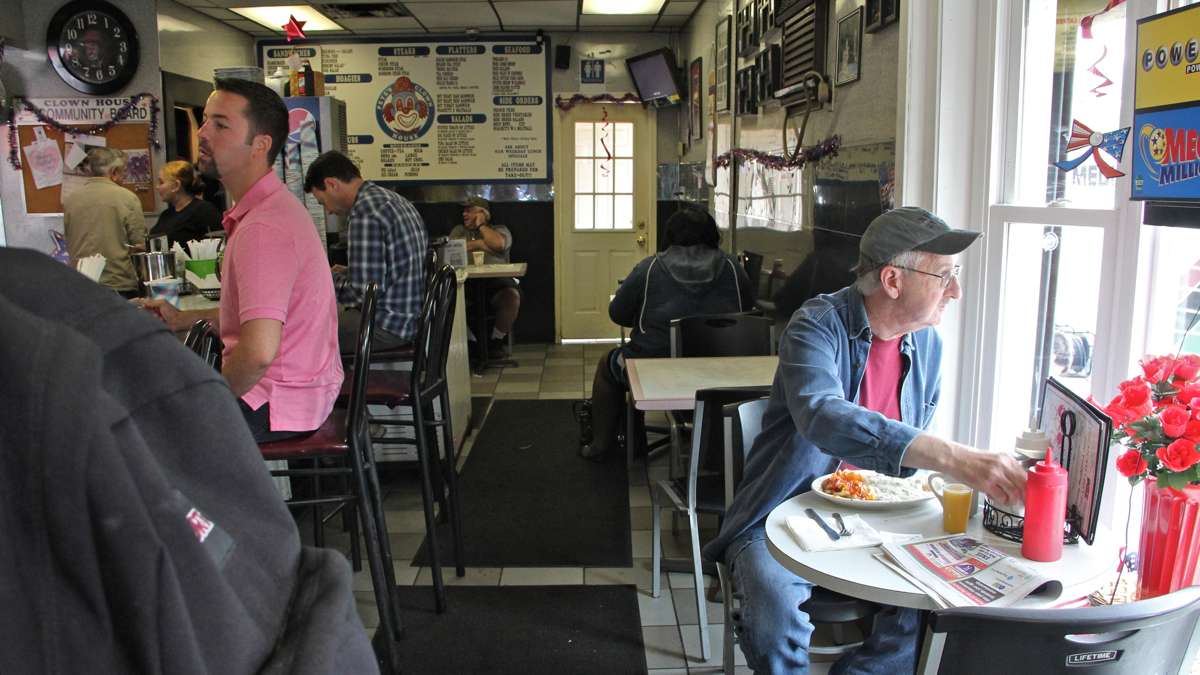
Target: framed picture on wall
{"points": [[849, 48], [696, 99], [721, 51]]}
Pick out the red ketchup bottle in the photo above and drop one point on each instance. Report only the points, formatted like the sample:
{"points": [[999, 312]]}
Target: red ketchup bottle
{"points": [[1045, 510]]}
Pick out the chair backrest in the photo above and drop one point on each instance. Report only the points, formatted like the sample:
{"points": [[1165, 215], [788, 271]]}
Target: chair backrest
{"points": [[356, 418], [433, 337], [736, 334], [743, 424], [202, 339], [752, 262], [708, 430], [1150, 636], [431, 266]]}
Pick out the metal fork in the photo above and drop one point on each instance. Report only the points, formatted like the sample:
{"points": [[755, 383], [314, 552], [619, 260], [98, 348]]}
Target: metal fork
{"points": [[837, 517]]}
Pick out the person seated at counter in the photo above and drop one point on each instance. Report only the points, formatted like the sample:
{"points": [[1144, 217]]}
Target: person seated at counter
{"points": [[502, 293], [104, 217], [278, 315], [388, 244], [186, 217], [690, 276], [858, 381]]}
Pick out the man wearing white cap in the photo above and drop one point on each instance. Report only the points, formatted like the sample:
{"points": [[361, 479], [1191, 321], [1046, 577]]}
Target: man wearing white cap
{"points": [[858, 380]]}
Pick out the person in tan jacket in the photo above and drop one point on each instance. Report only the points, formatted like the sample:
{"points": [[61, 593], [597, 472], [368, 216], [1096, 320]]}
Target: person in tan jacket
{"points": [[104, 217]]}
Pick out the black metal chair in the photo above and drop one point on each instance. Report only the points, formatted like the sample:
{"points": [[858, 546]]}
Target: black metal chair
{"points": [[700, 492], [1159, 635], [395, 389], [732, 334], [743, 423], [202, 339], [344, 437]]}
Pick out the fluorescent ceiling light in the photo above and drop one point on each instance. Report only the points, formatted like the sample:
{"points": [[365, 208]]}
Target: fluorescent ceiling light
{"points": [[622, 6], [275, 17]]}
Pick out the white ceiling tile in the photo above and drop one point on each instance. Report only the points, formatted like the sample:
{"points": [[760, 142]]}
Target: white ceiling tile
{"points": [[454, 15], [256, 3], [219, 13], [551, 13], [196, 3], [676, 7], [253, 28], [376, 24], [617, 20]]}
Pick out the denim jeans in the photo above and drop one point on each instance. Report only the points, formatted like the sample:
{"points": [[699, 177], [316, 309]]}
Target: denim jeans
{"points": [[774, 632]]}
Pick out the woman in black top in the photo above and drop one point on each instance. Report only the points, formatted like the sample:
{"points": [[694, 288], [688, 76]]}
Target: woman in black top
{"points": [[186, 217]]}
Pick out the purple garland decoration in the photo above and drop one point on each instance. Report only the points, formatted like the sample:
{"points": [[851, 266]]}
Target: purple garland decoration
{"points": [[567, 104], [813, 153], [122, 113]]}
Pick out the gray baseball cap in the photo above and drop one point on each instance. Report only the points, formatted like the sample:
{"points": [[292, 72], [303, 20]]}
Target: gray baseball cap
{"points": [[908, 228]]}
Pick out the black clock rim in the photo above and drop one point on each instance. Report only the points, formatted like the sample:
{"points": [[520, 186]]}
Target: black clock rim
{"points": [[54, 30]]}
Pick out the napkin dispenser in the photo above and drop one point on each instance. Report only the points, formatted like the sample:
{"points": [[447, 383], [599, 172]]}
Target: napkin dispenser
{"points": [[453, 253]]}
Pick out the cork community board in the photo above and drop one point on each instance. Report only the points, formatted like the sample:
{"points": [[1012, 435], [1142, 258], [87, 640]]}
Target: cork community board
{"points": [[449, 110]]}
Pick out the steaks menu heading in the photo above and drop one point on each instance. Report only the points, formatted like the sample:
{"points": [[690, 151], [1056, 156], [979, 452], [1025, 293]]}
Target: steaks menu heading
{"points": [[451, 111]]}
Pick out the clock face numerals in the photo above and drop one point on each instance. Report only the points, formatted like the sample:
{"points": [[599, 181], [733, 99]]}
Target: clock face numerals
{"points": [[93, 46]]}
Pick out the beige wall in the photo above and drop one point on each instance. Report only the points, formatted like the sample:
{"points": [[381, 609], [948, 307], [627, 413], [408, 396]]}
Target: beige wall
{"points": [[193, 44]]}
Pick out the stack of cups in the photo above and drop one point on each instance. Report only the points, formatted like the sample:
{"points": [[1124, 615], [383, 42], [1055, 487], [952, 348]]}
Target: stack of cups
{"points": [[164, 289]]}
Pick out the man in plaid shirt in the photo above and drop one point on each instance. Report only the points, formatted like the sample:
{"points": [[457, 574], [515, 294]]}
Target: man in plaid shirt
{"points": [[388, 244]]}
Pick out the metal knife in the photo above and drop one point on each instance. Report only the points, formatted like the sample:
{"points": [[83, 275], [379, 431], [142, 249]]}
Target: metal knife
{"points": [[833, 535]]}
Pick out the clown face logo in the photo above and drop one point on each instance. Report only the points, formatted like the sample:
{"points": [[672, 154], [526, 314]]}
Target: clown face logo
{"points": [[404, 110]]}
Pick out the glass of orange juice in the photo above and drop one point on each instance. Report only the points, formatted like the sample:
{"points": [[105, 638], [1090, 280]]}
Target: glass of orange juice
{"points": [[958, 502]]}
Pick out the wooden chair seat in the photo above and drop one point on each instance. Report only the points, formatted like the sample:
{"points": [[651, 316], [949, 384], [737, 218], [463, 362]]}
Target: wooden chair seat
{"points": [[329, 439]]}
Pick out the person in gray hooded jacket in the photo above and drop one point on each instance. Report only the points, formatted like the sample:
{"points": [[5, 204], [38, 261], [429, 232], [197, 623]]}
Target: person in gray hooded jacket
{"points": [[691, 276]]}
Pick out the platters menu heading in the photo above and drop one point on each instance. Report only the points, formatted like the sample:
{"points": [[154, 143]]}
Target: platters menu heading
{"points": [[453, 111]]}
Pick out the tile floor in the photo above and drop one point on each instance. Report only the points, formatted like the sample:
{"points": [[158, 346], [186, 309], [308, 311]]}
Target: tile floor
{"points": [[669, 622]]}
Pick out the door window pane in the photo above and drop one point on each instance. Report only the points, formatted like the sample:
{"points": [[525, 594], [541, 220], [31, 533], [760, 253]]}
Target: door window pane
{"points": [[1174, 291], [1070, 98], [604, 212], [1047, 323], [583, 212], [623, 212], [623, 175], [623, 145], [604, 175], [583, 176], [584, 132]]}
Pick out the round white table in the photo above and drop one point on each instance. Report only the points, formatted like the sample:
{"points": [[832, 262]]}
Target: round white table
{"points": [[855, 572]]}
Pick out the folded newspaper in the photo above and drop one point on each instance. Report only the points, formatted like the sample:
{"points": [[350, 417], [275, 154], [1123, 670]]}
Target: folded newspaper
{"points": [[961, 571]]}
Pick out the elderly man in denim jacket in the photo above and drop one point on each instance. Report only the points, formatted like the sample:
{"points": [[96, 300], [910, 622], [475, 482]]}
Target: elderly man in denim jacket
{"points": [[858, 380]]}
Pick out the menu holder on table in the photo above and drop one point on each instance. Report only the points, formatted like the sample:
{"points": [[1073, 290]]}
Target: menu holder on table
{"points": [[1080, 436]]}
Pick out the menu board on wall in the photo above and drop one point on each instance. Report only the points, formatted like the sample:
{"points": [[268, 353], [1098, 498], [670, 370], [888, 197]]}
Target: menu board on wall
{"points": [[451, 110]]}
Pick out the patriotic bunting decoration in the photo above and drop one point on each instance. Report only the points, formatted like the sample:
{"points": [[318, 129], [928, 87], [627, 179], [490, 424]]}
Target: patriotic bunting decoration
{"points": [[1111, 143]]}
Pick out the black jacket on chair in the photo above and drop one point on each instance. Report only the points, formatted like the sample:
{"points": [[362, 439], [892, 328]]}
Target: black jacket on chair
{"points": [[139, 529]]}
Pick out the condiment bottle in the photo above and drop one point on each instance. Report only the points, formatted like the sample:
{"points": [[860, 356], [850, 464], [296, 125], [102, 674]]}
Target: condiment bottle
{"points": [[1045, 510]]}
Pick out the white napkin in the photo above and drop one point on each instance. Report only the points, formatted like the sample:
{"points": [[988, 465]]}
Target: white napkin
{"points": [[209, 281], [92, 266], [812, 538], [180, 255], [203, 249]]}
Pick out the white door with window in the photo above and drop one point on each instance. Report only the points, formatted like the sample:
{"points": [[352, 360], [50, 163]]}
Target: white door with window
{"points": [[604, 177]]}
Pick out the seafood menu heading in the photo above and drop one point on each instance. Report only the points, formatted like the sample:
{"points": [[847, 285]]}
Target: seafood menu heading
{"points": [[452, 111]]}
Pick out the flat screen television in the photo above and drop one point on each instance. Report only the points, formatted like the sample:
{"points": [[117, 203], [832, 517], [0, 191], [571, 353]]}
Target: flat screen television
{"points": [[655, 77]]}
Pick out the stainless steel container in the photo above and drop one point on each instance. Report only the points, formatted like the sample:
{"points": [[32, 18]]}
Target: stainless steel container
{"points": [[154, 266]]}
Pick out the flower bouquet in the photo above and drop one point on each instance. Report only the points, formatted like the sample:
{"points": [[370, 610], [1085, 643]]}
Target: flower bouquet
{"points": [[1156, 418]]}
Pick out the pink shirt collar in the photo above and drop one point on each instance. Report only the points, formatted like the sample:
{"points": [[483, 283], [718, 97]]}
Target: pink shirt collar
{"points": [[263, 188]]}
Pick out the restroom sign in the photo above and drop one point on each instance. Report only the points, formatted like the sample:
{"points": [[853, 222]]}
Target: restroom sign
{"points": [[591, 71]]}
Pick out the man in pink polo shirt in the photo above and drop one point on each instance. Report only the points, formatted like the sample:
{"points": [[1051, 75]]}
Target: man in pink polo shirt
{"points": [[278, 315]]}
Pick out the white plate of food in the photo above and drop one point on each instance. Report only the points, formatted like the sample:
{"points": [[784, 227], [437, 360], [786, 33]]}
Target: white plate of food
{"points": [[863, 489]]}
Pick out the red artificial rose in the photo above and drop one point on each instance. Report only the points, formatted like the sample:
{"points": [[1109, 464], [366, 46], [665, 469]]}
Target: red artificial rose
{"points": [[1187, 367], [1180, 455], [1192, 431], [1187, 394], [1131, 463], [1120, 414], [1134, 394], [1157, 368], [1174, 420]]}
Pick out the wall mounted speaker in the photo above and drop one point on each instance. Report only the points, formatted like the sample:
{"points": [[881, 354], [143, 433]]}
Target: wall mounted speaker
{"points": [[562, 57]]}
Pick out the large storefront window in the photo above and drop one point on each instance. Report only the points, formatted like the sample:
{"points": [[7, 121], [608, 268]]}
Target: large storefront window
{"points": [[1072, 74]]}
